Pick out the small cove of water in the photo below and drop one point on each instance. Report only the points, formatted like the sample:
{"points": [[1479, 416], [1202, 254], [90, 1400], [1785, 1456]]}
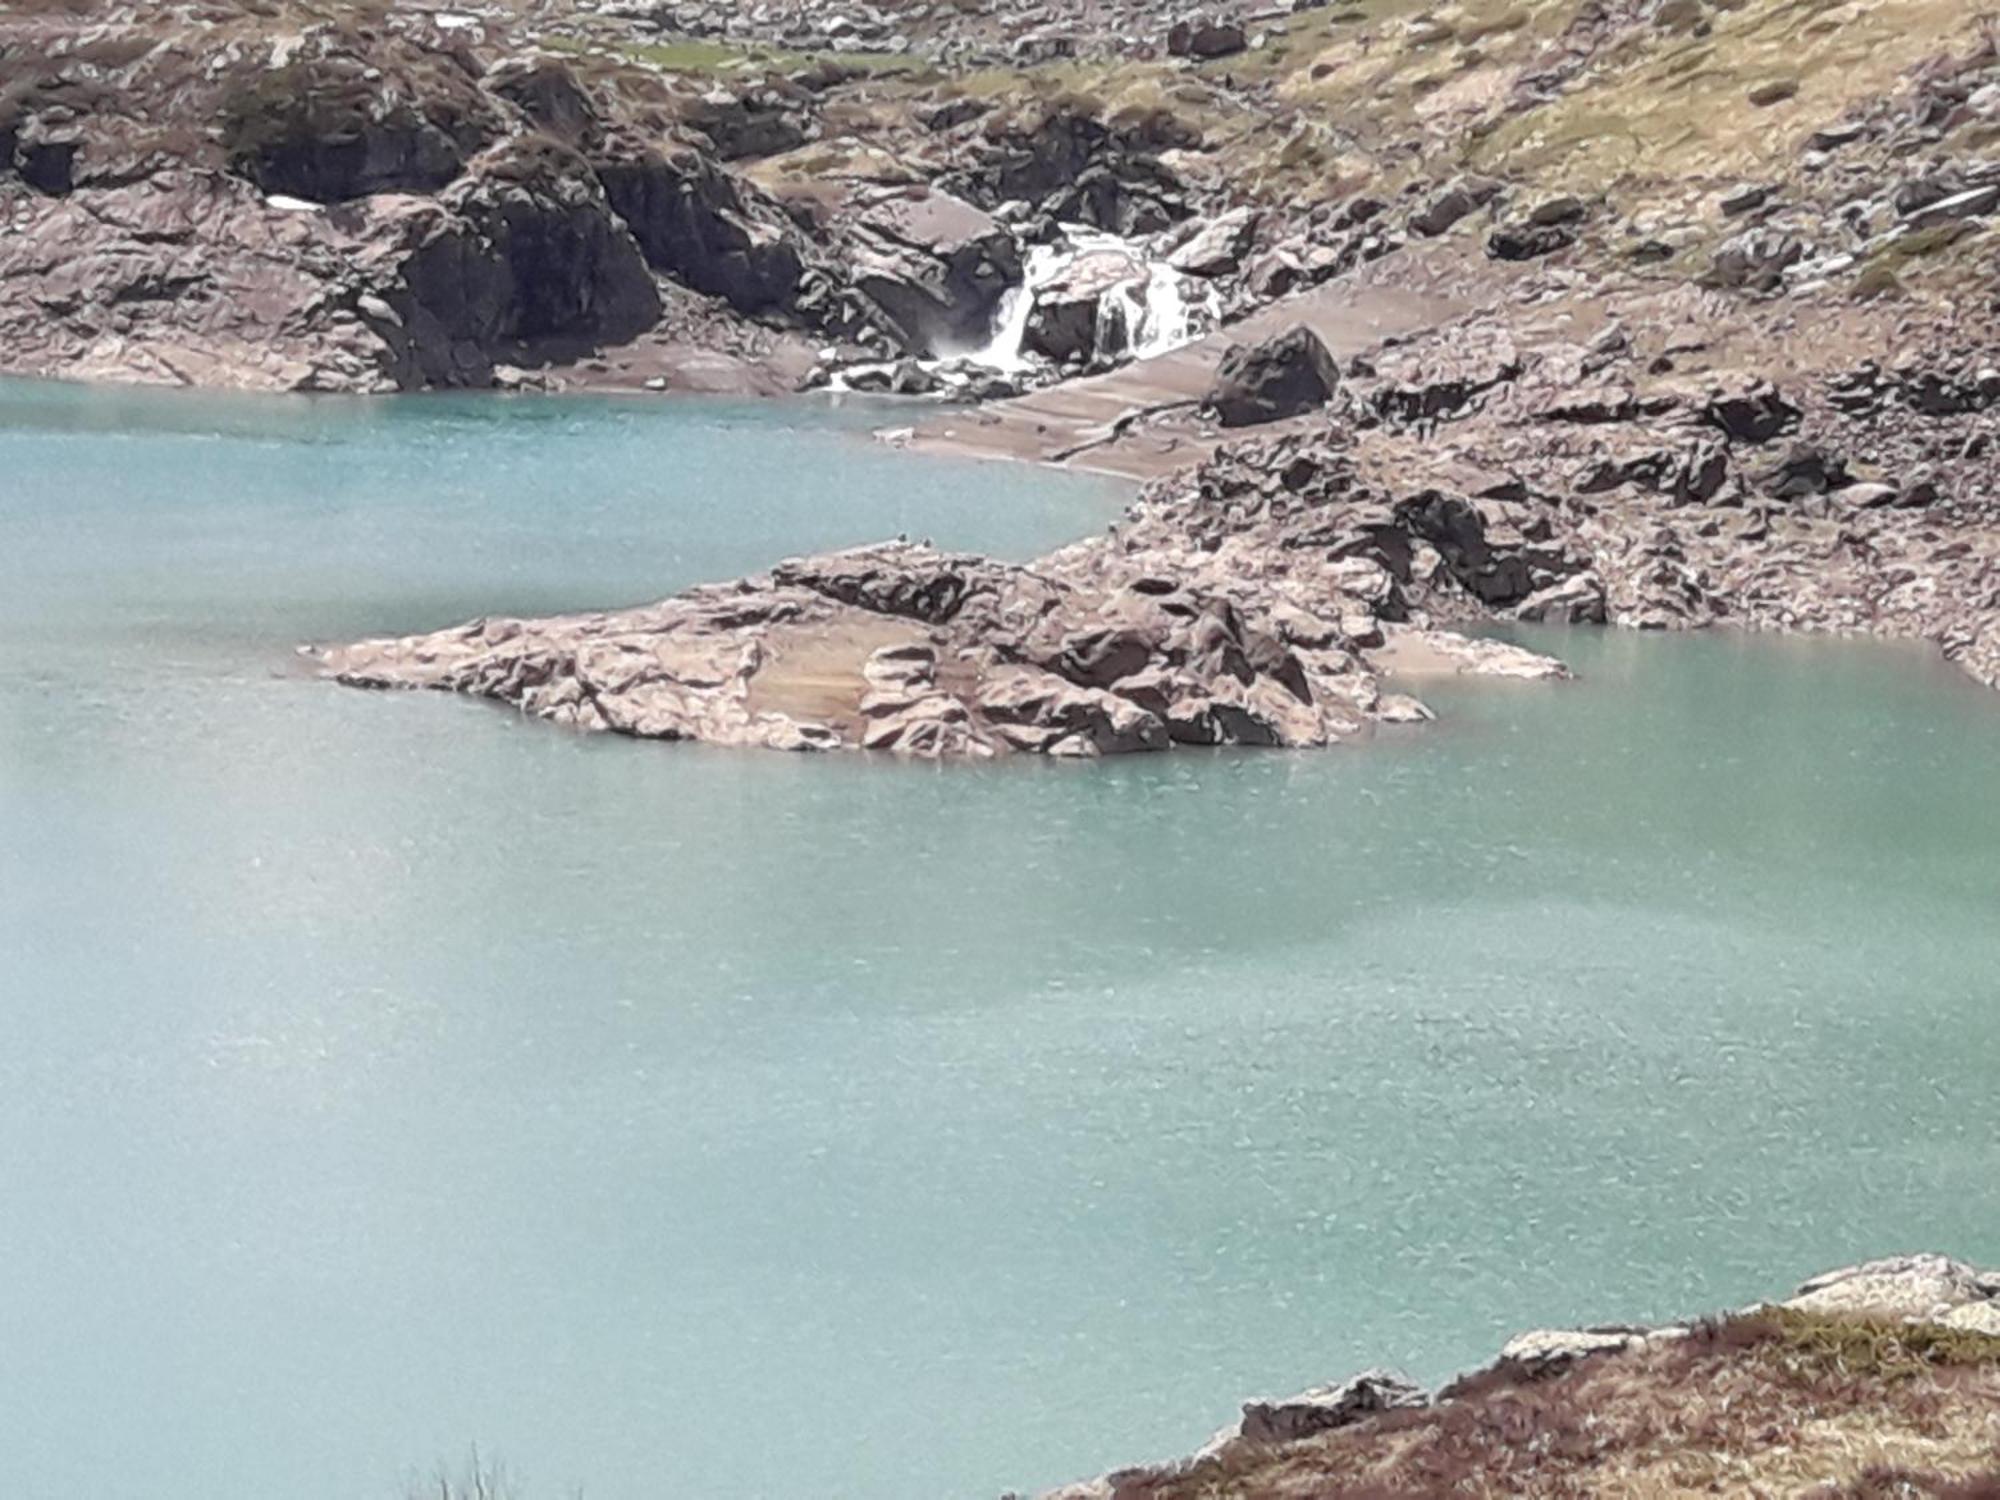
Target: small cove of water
{"points": [[385, 1075]]}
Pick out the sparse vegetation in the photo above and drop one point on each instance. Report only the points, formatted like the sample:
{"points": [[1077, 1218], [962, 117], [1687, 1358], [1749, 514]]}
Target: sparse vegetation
{"points": [[1773, 1403], [696, 56], [477, 1479]]}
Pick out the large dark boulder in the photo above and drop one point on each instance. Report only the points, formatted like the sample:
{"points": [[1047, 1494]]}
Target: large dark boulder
{"points": [[521, 260], [330, 128], [1204, 37], [933, 266], [1459, 197], [1278, 378], [701, 226], [1066, 324], [1528, 241], [1750, 411]]}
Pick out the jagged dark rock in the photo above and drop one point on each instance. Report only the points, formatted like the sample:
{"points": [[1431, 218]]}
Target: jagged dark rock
{"points": [[1278, 378]]}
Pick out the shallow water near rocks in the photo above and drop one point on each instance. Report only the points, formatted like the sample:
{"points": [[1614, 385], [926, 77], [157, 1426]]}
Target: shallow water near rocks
{"points": [[384, 1075]]}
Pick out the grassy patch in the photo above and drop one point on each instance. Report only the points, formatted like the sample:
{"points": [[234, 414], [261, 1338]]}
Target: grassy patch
{"points": [[690, 55], [1774, 1403], [1866, 1346], [1922, 256]]}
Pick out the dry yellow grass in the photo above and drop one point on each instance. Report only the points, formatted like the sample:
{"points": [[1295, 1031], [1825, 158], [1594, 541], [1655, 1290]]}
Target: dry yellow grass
{"points": [[1772, 1404]]}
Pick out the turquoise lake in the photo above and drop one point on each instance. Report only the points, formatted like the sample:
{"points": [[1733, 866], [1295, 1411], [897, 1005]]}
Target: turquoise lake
{"points": [[385, 1076]]}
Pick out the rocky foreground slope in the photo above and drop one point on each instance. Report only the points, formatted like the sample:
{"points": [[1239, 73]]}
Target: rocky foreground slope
{"points": [[1874, 1381]]}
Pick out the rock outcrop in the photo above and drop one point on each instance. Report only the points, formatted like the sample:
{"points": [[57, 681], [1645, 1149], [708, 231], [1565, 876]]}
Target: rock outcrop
{"points": [[357, 208], [903, 648], [1281, 377], [1264, 596], [932, 265], [1273, 1450]]}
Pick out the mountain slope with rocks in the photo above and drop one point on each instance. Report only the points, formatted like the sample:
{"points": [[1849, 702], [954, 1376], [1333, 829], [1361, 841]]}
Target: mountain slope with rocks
{"points": [[1657, 313], [393, 195]]}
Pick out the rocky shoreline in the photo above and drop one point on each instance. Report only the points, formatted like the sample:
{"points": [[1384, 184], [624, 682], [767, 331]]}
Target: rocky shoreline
{"points": [[1379, 1433], [1268, 595], [1460, 355]]}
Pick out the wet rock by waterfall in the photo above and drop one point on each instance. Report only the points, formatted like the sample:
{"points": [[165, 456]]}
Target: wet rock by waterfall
{"points": [[1096, 300]]}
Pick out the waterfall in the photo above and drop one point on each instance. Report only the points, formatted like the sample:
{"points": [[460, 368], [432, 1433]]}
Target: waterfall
{"points": [[1010, 320], [1137, 318]]}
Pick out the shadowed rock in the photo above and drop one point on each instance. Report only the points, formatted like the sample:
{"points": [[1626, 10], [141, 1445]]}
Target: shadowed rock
{"points": [[1278, 378]]}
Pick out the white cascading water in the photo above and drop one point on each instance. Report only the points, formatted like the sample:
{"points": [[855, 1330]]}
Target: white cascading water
{"points": [[1139, 318], [1010, 320], [1155, 315]]}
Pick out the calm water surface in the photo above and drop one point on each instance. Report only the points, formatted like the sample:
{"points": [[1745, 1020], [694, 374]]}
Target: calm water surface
{"points": [[382, 1075]]}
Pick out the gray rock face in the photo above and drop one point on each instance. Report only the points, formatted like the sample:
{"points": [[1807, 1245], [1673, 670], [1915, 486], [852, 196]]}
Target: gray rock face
{"points": [[933, 265], [1926, 1287], [322, 127], [545, 256], [699, 225], [1204, 38], [368, 208], [1327, 1407], [1279, 378]]}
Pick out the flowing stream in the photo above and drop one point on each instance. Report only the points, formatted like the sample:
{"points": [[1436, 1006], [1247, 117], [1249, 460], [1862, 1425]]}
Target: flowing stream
{"points": [[385, 1075], [1151, 311]]}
